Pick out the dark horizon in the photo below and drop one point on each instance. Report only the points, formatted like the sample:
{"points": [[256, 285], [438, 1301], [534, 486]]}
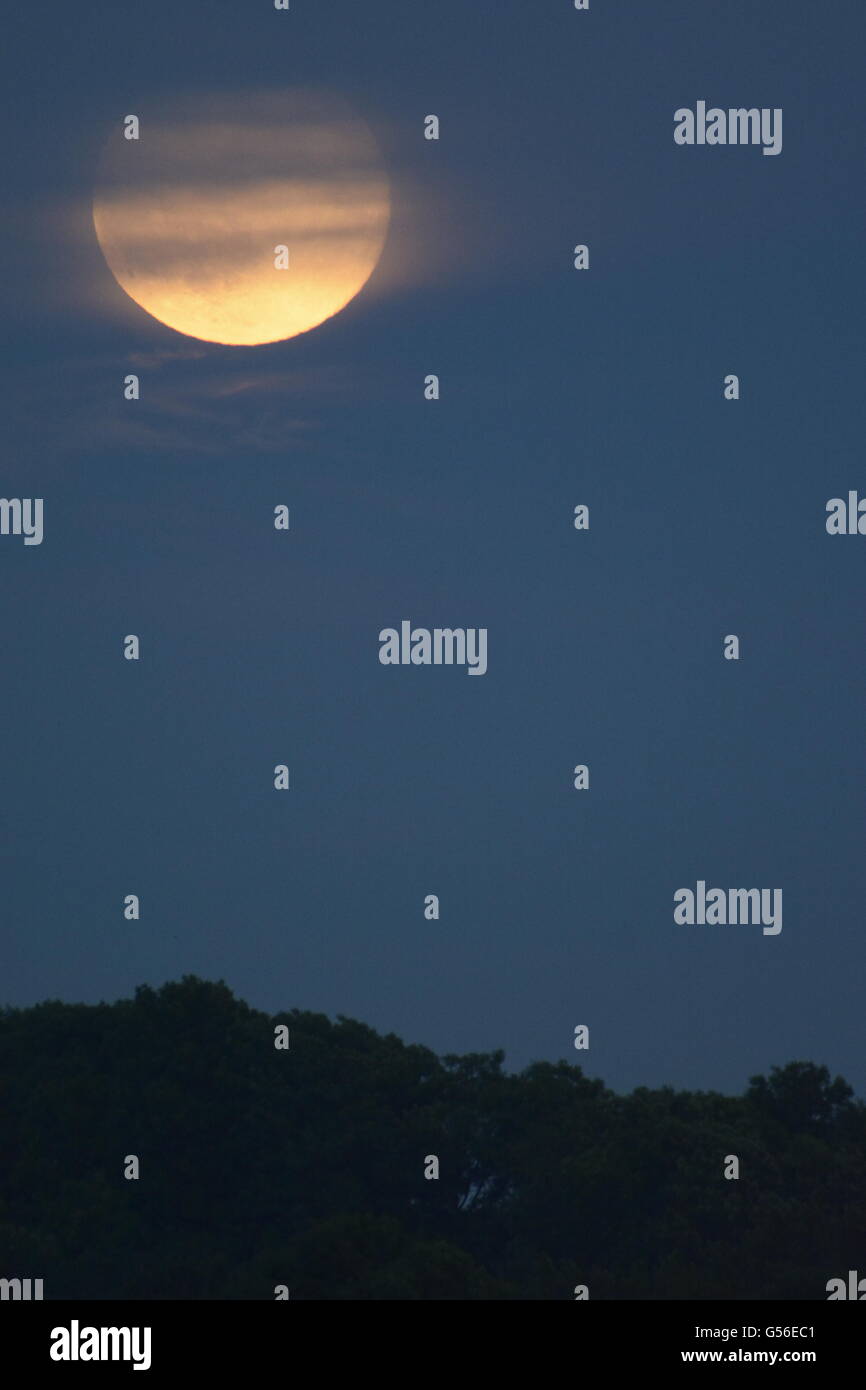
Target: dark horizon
{"points": [[581, 1059], [212, 1152]]}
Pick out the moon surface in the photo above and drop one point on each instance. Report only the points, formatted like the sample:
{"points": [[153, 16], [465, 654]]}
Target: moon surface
{"points": [[191, 215]]}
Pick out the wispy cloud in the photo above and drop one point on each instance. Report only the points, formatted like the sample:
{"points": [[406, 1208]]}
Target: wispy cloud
{"points": [[191, 401]]}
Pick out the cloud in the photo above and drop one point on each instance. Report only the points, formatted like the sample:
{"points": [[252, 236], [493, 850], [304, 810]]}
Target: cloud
{"points": [[192, 401]]}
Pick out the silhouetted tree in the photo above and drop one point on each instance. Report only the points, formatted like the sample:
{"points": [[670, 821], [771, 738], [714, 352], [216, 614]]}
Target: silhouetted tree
{"points": [[262, 1167]]}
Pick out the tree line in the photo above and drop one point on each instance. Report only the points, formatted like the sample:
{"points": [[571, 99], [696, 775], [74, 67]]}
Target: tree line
{"points": [[305, 1167]]}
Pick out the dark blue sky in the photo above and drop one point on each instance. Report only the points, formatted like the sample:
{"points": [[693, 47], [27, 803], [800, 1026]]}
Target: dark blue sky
{"points": [[605, 647]]}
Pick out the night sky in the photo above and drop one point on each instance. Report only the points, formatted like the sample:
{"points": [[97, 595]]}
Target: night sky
{"points": [[558, 387]]}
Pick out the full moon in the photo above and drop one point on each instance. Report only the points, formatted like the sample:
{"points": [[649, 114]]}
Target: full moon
{"points": [[243, 220]]}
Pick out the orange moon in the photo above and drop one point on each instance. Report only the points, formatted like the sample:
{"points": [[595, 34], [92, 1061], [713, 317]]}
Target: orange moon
{"points": [[191, 216]]}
